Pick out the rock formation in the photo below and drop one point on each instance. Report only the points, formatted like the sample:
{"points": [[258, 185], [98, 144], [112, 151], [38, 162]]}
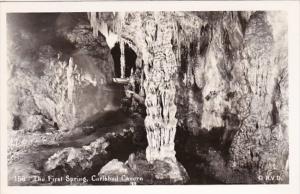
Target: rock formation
{"points": [[220, 74], [142, 172], [82, 157], [152, 36], [59, 75], [216, 70]]}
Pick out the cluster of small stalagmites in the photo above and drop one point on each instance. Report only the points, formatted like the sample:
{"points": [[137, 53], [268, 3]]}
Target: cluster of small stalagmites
{"points": [[50, 95], [63, 78], [57, 79]]}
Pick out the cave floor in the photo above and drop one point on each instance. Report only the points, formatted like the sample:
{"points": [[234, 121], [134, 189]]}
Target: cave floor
{"points": [[28, 151]]}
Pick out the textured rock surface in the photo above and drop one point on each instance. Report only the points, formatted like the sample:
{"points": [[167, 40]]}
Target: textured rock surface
{"points": [[159, 66], [59, 72], [157, 172], [218, 74], [232, 75], [82, 157], [262, 141], [117, 170]]}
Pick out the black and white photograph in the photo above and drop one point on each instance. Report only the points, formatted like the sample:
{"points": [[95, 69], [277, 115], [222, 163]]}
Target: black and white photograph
{"points": [[147, 98]]}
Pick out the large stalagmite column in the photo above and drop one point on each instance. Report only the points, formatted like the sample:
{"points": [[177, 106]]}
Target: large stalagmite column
{"points": [[153, 38], [153, 35], [159, 88]]}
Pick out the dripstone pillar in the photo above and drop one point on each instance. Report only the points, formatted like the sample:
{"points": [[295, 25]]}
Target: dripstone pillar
{"points": [[159, 86]]}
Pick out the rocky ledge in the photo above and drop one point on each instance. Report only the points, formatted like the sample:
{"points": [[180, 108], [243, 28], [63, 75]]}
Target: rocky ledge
{"points": [[137, 170]]}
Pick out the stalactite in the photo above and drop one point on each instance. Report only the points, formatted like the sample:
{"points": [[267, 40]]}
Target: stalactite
{"points": [[101, 26], [94, 24]]}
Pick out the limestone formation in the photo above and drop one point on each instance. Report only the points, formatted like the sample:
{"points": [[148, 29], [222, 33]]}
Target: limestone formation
{"points": [[230, 66], [159, 68], [158, 172], [219, 75], [52, 88], [71, 157]]}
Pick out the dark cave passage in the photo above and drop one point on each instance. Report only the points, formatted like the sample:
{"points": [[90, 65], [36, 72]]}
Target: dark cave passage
{"points": [[130, 60]]}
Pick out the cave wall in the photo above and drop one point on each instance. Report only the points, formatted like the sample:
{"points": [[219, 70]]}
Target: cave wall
{"points": [[60, 75], [242, 81]]}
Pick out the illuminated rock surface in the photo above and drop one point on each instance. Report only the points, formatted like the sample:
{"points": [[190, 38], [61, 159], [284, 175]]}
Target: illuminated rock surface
{"points": [[220, 77]]}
